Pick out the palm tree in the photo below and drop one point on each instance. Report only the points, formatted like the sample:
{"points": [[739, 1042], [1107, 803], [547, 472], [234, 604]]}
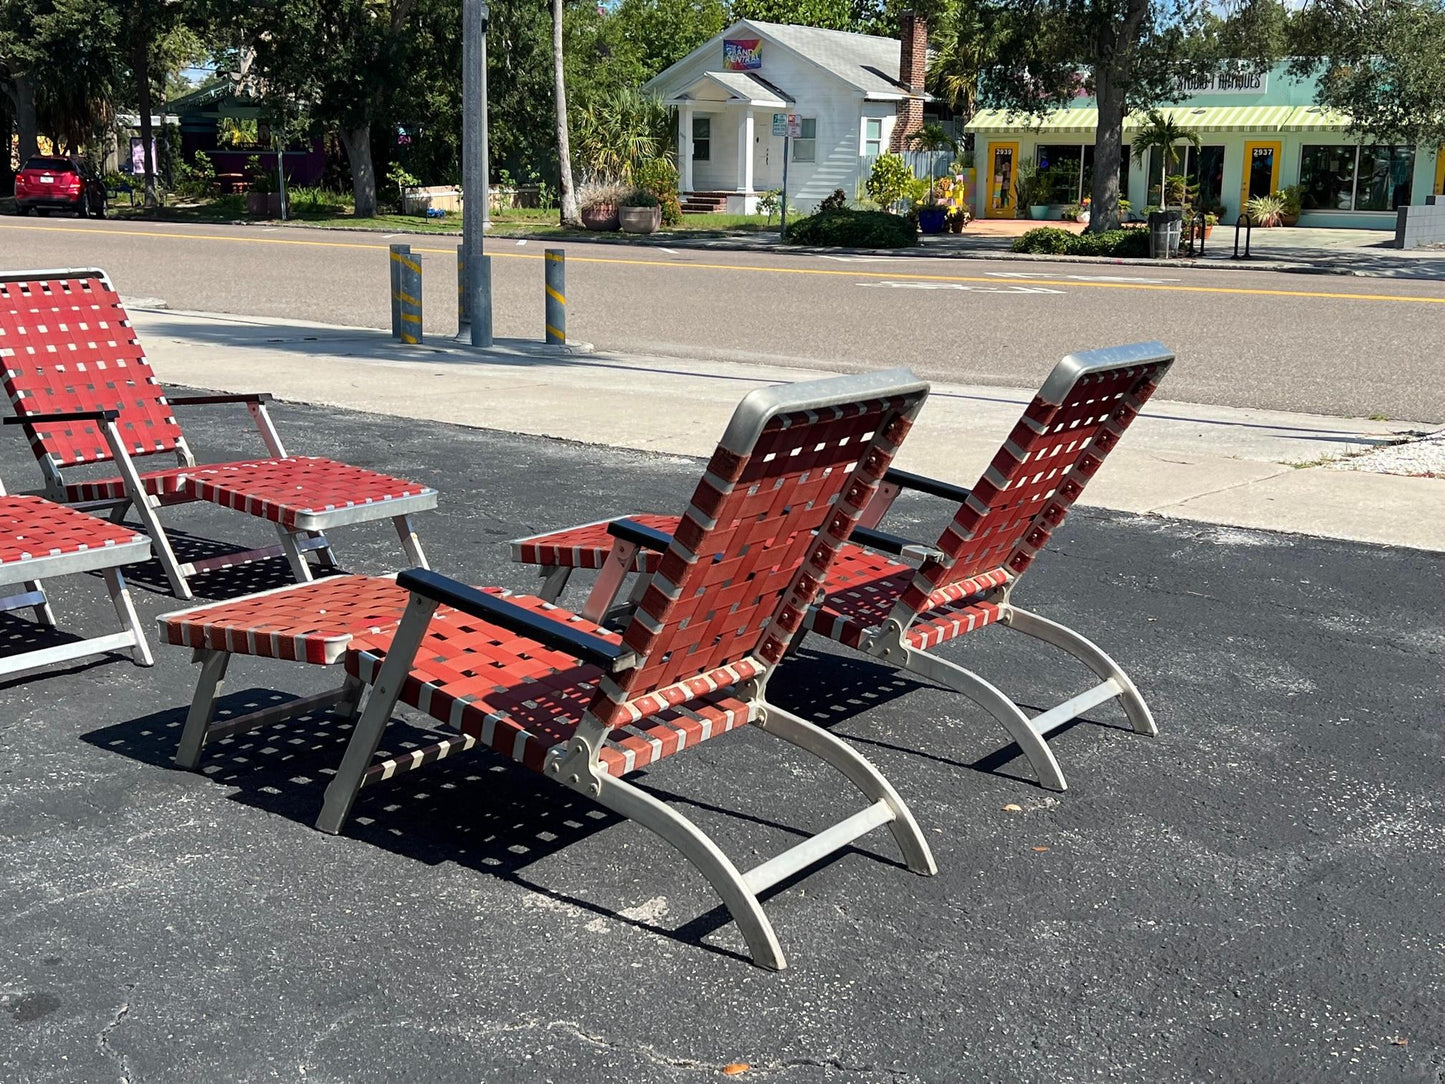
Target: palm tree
{"points": [[964, 48], [1161, 133], [930, 139], [568, 193]]}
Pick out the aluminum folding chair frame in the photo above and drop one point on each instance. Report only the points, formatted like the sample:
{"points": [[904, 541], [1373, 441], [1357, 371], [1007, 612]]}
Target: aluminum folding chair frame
{"points": [[299, 530]]}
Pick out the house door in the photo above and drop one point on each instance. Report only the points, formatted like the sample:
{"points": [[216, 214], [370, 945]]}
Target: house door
{"points": [[767, 155], [1002, 159], [1261, 171]]}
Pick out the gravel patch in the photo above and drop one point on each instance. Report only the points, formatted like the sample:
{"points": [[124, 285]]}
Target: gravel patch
{"points": [[1418, 457]]}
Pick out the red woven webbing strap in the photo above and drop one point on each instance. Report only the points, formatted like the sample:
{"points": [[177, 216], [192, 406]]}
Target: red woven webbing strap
{"points": [[752, 552], [1032, 482], [32, 527], [67, 345]]}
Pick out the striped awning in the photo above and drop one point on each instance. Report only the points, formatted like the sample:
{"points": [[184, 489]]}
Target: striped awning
{"points": [[1210, 118]]}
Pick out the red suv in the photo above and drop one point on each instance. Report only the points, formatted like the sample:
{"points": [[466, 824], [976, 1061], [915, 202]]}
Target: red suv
{"points": [[61, 184]]}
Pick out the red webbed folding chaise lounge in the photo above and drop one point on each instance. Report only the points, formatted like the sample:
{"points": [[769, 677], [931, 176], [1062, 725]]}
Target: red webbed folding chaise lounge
{"points": [[898, 599], [80, 383], [40, 540], [585, 706]]}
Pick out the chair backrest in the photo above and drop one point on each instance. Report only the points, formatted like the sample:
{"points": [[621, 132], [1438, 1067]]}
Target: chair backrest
{"points": [[789, 479], [66, 345], [1065, 433]]}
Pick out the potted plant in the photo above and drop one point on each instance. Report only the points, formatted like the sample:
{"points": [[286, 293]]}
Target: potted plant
{"points": [[929, 140], [1289, 199], [958, 217], [1210, 221], [597, 203], [1265, 211], [1162, 134], [262, 199], [640, 212]]}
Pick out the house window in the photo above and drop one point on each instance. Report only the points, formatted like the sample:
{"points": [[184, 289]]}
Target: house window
{"points": [[701, 139], [872, 137], [1355, 178], [805, 146]]}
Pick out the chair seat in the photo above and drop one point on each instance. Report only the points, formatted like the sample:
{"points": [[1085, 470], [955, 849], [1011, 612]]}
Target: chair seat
{"points": [[523, 699], [305, 622], [35, 532], [298, 492], [587, 546], [863, 586]]}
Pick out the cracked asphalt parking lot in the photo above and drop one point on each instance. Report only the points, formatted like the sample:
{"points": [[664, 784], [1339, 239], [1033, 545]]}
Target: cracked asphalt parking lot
{"points": [[1254, 895]]}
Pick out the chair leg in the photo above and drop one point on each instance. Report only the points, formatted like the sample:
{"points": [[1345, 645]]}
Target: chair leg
{"points": [[117, 514], [861, 773], [125, 610], [409, 541], [554, 579], [203, 706], [352, 690], [366, 735], [1092, 656], [295, 556], [325, 554], [43, 613], [986, 696], [161, 544], [707, 858]]}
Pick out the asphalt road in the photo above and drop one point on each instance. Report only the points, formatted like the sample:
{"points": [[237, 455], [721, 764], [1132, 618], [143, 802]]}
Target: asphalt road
{"points": [[1255, 895], [1321, 344]]}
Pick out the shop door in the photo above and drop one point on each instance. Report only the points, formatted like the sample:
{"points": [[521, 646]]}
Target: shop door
{"points": [[1002, 158], [1261, 171]]}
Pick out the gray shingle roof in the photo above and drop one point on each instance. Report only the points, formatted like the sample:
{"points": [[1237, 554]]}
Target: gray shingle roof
{"points": [[867, 62]]}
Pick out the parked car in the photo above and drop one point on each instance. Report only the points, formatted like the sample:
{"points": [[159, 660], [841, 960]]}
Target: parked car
{"points": [[47, 183]]}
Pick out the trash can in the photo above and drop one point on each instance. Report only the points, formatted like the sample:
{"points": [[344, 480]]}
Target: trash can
{"points": [[1165, 229]]}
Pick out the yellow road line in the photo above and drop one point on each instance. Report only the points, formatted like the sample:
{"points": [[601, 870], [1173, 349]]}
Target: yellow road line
{"points": [[825, 271]]}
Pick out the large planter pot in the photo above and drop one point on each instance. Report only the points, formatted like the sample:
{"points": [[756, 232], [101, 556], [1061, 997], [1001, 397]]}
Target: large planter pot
{"points": [[263, 204], [1288, 220], [600, 216], [931, 219], [1038, 211], [640, 219]]}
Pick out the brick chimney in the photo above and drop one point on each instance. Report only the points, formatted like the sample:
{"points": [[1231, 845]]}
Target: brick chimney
{"points": [[912, 67]]}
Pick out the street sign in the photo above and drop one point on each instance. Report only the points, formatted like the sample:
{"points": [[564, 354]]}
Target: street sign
{"points": [[788, 124]]}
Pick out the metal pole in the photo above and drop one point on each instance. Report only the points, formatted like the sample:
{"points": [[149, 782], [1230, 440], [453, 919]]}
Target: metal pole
{"points": [[486, 151], [555, 284], [475, 14], [281, 180], [783, 227], [461, 288], [395, 254], [411, 315], [479, 298]]}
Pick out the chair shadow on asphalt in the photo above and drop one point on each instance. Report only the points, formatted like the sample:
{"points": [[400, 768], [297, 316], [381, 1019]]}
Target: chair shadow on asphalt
{"points": [[231, 581], [22, 634]]}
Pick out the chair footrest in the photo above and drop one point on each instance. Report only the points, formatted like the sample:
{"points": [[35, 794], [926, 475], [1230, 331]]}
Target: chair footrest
{"points": [[26, 598], [1046, 722], [246, 557], [782, 866]]}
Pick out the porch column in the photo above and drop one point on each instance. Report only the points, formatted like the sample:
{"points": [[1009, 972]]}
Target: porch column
{"points": [[684, 148], [745, 151]]}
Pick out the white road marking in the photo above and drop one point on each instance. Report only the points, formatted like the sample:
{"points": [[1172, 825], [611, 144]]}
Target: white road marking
{"points": [[669, 251], [858, 259], [521, 243], [1076, 278], [964, 286]]}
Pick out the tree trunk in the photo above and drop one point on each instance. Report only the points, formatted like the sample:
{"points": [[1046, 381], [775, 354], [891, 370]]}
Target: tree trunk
{"points": [[570, 214], [7, 123], [25, 123], [140, 61], [357, 142], [1108, 149]]}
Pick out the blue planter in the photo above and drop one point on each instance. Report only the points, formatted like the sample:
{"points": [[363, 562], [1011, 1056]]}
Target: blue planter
{"points": [[930, 219]]}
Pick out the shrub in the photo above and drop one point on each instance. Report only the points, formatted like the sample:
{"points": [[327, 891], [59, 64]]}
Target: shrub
{"points": [[1124, 244], [891, 180], [640, 197], [853, 229], [601, 194], [1265, 210], [836, 202], [658, 176]]}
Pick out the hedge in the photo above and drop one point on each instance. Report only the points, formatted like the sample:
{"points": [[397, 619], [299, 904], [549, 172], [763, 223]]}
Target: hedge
{"points": [[1054, 241], [853, 229]]}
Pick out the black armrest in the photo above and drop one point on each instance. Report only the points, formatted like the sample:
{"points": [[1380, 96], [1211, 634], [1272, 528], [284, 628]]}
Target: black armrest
{"points": [[648, 538], [64, 416], [895, 544], [554, 634], [934, 488], [213, 400]]}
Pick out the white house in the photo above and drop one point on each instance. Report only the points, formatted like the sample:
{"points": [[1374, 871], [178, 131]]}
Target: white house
{"points": [[857, 95]]}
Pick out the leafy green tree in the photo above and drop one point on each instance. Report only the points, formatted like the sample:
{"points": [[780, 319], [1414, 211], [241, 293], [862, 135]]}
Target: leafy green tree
{"points": [[1127, 53], [1380, 62], [962, 46]]}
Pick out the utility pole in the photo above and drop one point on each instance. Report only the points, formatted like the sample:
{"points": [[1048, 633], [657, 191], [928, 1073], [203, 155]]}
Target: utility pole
{"points": [[476, 306]]}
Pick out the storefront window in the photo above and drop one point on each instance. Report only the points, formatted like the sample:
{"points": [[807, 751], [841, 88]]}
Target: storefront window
{"points": [[1356, 178], [1204, 169], [1063, 165]]}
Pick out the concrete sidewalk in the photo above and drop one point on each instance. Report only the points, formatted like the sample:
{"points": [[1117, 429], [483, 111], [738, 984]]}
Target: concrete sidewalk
{"points": [[1244, 468]]}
